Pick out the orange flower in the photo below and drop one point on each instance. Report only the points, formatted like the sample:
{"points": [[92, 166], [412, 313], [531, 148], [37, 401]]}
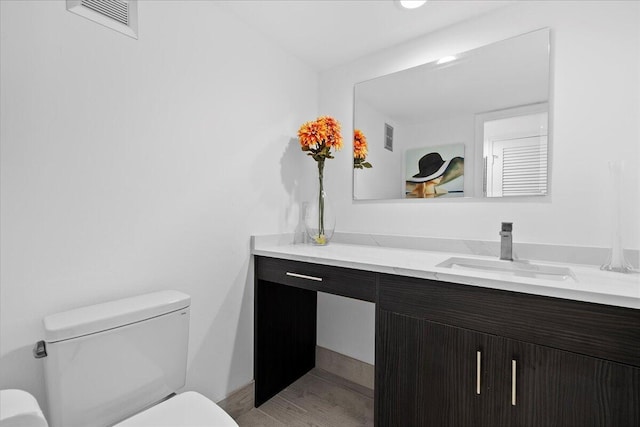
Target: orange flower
{"points": [[312, 134], [333, 128], [319, 136], [360, 150]]}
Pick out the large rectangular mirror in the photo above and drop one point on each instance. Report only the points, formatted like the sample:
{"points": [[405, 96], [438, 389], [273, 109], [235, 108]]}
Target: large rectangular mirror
{"points": [[474, 124]]}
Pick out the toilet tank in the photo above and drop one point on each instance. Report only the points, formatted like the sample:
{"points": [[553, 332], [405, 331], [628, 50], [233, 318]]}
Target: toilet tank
{"points": [[108, 361]]}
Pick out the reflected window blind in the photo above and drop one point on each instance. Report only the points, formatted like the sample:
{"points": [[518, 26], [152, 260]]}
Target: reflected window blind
{"points": [[524, 168]]}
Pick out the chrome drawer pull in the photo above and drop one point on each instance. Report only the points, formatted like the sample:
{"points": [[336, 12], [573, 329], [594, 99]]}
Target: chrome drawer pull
{"points": [[513, 383], [478, 372], [303, 276]]}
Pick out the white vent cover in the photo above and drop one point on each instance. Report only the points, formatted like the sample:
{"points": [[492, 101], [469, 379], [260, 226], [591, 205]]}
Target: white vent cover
{"points": [[120, 15]]}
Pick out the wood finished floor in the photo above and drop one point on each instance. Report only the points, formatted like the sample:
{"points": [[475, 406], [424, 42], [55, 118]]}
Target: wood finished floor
{"points": [[318, 399]]}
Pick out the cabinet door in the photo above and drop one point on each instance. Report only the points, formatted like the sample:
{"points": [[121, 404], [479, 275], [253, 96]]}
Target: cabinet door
{"points": [[427, 374], [564, 389], [582, 391]]}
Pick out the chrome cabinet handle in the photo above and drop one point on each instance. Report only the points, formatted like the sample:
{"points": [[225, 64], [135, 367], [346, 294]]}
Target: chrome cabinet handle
{"points": [[478, 370], [304, 276], [513, 383]]}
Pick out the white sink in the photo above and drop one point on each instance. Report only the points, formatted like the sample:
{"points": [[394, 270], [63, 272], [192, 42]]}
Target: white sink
{"points": [[517, 268]]}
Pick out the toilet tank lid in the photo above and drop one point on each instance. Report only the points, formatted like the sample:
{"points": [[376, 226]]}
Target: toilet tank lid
{"points": [[113, 314]]}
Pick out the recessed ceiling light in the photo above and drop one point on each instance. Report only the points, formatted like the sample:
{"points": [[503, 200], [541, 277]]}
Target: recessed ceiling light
{"points": [[446, 59], [411, 4]]}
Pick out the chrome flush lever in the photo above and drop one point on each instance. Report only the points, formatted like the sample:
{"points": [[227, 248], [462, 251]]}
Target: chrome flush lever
{"points": [[40, 350]]}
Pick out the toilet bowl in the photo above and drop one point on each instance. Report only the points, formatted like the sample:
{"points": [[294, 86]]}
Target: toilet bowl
{"points": [[190, 409], [20, 409], [185, 409], [121, 364]]}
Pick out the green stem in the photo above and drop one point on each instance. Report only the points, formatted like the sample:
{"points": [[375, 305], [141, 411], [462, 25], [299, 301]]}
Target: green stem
{"points": [[321, 198]]}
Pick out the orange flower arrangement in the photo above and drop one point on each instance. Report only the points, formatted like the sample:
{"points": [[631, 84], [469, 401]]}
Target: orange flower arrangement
{"points": [[317, 138], [360, 150]]}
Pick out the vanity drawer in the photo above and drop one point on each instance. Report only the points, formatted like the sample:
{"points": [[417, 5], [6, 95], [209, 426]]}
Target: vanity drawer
{"points": [[346, 282], [596, 330]]}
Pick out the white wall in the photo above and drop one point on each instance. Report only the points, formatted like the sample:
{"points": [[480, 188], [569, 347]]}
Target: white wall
{"points": [[594, 118], [131, 166]]}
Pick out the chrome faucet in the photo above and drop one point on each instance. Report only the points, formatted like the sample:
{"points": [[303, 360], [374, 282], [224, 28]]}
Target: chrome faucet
{"points": [[506, 242]]}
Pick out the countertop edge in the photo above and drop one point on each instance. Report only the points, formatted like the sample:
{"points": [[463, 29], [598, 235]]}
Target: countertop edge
{"points": [[506, 285]]}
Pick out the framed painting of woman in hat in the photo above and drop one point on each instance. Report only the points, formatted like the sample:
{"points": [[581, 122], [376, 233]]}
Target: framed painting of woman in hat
{"points": [[434, 172]]}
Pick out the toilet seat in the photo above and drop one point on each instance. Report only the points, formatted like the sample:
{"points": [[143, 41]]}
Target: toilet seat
{"points": [[189, 409], [20, 409]]}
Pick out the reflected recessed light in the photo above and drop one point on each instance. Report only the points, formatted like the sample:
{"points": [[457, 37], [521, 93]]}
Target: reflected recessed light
{"points": [[446, 59], [411, 4]]}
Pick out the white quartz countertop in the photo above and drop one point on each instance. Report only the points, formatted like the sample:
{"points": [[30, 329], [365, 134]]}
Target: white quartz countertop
{"points": [[589, 284]]}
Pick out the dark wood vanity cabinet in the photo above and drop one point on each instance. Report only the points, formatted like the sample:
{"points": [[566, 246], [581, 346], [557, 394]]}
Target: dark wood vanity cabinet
{"points": [[429, 374], [455, 355]]}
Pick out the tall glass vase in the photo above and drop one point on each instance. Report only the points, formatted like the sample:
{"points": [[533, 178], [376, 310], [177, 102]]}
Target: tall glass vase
{"points": [[616, 261], [319, 219]]}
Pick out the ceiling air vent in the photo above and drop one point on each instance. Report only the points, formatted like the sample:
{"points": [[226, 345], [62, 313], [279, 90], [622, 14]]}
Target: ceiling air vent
{"points": [[119, 15]]}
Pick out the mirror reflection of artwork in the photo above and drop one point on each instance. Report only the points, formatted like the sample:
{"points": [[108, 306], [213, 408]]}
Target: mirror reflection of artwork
{"points": [[436, 171]]}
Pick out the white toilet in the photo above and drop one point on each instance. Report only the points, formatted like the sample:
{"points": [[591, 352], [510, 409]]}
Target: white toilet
{"points": [[120, 363], [20, 409]]}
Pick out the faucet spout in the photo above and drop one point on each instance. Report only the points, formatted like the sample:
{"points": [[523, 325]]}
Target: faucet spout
{"points": [[506, 241]]}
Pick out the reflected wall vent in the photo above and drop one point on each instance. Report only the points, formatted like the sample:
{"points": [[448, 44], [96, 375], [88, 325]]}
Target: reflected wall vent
{"points": [[119, 15]]}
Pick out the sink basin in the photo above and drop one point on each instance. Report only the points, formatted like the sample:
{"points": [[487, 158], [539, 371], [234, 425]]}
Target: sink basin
{"points": [[517, 268]]}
